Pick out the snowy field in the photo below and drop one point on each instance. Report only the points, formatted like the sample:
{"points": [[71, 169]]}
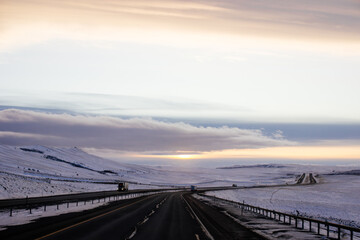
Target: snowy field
{"points": [[335, 198], [40, 171]]}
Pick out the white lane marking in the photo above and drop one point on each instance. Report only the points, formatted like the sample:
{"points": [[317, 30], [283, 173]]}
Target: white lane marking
{"points": [[207, 233], [143, 221], [146, 218], [152, 212], [132, 234], [90, 219]]}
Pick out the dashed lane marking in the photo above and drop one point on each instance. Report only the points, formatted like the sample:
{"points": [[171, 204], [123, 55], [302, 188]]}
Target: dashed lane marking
{"points": [[207, 233], [132, 234], [146, 218]]}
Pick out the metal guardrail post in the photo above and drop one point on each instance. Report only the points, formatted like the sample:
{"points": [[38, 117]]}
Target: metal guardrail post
{"points": [[327, 230], [272, 214], [11, 212]]}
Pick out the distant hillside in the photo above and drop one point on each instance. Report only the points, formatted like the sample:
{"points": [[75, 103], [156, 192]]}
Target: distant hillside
{"points": [[254, 166]]}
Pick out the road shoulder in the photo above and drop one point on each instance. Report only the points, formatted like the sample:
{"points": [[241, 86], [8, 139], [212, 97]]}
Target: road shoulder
{"points": [[267, 228]]}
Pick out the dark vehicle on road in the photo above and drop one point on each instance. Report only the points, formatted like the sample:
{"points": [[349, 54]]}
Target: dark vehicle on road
{"points": [[123, 186], [193, 188]]}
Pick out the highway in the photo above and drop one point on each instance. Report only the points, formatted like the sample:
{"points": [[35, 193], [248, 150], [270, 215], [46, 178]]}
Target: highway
{"points": [[175, 215], [86, 196], [54, 199]]}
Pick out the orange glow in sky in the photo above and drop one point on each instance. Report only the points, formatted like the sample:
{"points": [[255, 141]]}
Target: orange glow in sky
{"points": [[293, 152]]}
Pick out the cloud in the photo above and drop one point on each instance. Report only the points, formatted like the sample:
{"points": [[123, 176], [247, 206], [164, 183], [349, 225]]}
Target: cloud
{"points": [[119, 105], [26, 22], [19, 127]]}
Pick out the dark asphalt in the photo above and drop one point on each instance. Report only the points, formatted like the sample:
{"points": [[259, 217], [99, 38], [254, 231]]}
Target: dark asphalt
{"points": [[218, 224], [161, 216], [172, 221]]}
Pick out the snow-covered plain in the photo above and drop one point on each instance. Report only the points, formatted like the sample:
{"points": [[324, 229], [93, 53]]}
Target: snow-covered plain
{"points": [[40, 171], [335, 198]]}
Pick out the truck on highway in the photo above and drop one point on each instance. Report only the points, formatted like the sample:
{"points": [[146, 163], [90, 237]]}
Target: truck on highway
{"points": [[123, 186], [193, 188]]}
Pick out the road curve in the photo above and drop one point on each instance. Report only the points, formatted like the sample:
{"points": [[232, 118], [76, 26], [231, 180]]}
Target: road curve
{"points": [[161, 216]]}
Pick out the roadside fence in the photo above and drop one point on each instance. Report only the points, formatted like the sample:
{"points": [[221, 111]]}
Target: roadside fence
{"points": [[69, 205], [325, 228]]}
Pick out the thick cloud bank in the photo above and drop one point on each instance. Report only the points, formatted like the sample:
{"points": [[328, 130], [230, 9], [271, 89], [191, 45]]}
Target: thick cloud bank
{"points": [[18, 127]]}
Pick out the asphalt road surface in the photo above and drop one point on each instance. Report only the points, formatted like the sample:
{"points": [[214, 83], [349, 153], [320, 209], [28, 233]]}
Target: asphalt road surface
{"points": [[162, 216]]}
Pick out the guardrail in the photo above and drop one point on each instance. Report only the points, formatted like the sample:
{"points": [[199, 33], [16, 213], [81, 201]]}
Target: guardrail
{"points": [[53, 199], [78, 202], [313, 225]]}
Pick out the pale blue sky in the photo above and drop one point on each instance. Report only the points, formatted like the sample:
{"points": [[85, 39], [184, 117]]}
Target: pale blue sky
{"points": [[268, 85]]}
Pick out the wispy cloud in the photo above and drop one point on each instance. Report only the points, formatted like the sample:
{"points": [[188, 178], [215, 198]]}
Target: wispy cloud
{"points": [[119, 105], [18, 127], [309, 21]]}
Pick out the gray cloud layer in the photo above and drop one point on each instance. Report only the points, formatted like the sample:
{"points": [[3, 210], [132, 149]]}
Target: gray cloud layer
{"points": [[19, 127]]}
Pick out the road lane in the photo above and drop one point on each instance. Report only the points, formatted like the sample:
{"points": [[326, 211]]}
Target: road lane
{"points": [[116, 222], [171, 221], [217, 223], [160, 216]]}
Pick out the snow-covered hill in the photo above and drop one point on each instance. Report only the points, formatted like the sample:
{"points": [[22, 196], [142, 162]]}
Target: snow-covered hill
{"points": [[38, 170]]}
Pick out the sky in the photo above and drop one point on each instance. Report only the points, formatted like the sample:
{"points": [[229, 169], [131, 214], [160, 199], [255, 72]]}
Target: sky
{"points": [[148, 81]]}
